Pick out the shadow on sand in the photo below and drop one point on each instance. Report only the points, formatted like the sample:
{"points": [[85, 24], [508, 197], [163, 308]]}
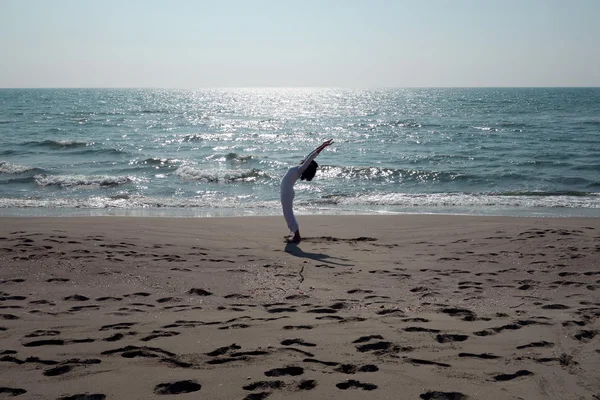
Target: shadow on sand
{"points": [[295, 250]]}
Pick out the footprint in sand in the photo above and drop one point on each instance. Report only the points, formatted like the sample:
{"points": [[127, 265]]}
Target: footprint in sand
{"points": [[41, 332], [199, 292], [327, 363], [364, 339], [420, 329], [448, 338], [585, 335], [418, 361], [381, 348], [485, 356], [237, 296], [235, 326], [264, 385], [508, 377], [467, 315], [179, 387], [119, 326], [297, 327], [8, 316], [543, 343], [352, 369], [300, 342], [359, 291], [18, 280], [435, 395], [157, 334], [12, 391], [76, 297], [281, 310], [291, 370], [84, 396], [149, 352], [68, 366], [223, 350], [114, 338], [257, 396], [354, 384], [13, 298], [168, 299], [307, 384]]}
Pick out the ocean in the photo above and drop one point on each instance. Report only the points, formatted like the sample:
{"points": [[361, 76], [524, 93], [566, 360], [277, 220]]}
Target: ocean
{"points": [[223, 152]]}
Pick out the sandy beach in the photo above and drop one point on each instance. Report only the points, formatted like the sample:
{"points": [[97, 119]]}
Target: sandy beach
{"points": [[383, 307]]}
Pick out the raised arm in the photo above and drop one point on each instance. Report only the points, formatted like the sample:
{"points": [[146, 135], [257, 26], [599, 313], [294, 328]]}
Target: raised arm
{"points": [[313, 154]]}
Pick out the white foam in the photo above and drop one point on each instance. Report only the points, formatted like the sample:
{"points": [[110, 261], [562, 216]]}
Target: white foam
{"points": [[10, 168], [440, 200], [125, 201], [83, 180], [212, 204], [218, 175]]}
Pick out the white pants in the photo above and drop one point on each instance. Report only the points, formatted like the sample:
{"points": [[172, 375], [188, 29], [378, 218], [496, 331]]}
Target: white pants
{"points": [[287, 202]]}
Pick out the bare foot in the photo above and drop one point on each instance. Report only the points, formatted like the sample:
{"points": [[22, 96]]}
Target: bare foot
{"points": [[294, 239]]}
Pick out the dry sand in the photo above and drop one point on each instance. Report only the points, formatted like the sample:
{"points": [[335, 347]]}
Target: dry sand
{"points": [[381, 307]]}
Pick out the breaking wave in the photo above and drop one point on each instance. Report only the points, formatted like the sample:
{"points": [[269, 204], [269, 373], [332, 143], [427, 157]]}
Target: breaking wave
{"points": [[10, 168], [219, 176], [69, 181], [470, 200]]}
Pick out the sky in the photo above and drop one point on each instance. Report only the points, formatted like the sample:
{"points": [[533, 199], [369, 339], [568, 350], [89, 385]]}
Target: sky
{"points": [[299, 43]]}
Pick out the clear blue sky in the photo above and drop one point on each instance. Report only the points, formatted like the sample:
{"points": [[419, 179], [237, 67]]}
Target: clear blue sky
{"points": [[342, 43]]}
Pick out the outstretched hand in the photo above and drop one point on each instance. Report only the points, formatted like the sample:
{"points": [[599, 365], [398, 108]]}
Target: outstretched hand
{"points": [[325, 144]]}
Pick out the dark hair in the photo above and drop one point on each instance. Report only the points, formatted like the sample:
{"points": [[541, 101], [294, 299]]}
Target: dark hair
{"points": [[310, 171]]}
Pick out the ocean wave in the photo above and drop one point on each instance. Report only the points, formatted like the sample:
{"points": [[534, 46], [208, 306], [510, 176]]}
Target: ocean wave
{"points": [[486, 128], [154, 111], [231, 157], [219, 176], [470, 203], [543, 163], [586, 167], [374, 124], [70, 181], [516, 125], [157, 162], [127, 201], [59, 144], [542, 193], [390, 175], [570, 180], [445, 200], [91, 151], [199, 137], [592, 123], [10, 168], [238, 157], [20, 179]]}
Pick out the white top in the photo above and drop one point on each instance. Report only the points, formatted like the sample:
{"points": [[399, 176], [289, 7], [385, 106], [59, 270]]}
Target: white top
{"points": [[292, 175]]}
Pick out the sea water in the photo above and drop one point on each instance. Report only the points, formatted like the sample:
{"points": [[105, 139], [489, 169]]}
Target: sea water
{"points": [[223, 152]]}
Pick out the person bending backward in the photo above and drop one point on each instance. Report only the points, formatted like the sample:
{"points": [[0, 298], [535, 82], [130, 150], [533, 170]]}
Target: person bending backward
{"points": [[306, 170]]}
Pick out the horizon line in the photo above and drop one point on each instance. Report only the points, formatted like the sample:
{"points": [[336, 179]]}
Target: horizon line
{"points": [[296, 87]]}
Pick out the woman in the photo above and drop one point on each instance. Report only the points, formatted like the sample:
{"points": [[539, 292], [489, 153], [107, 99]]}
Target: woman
{"points": [[306, 170]]}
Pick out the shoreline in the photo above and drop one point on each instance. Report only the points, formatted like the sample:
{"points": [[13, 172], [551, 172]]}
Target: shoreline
{"points": [[221, 307], [299, 211]]}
